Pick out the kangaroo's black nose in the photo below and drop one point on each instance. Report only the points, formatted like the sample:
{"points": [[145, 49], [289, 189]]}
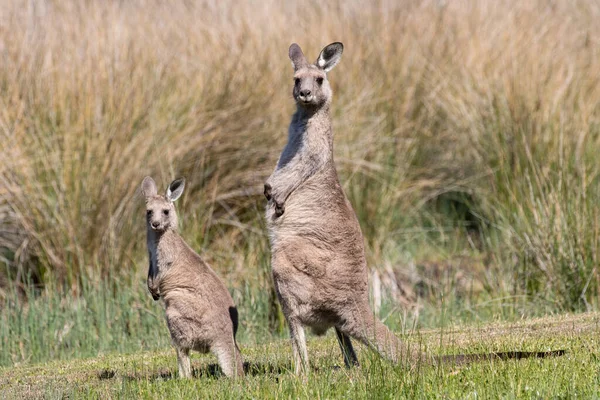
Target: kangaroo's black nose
{"points": [[305, 93]]}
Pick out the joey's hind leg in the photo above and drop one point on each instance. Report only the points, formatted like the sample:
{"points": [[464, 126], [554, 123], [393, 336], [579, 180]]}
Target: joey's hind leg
{"points": [[298, 346], [230, 359], [183, 360], [350, 359]]}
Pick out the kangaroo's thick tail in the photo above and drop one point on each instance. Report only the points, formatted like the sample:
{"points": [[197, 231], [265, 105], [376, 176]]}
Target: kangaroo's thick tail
{"points": [[370, 331], [373, 333], [365, 327]]}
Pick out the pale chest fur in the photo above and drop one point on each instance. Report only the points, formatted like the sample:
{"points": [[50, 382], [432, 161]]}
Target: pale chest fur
{"points": [[163, 252]]}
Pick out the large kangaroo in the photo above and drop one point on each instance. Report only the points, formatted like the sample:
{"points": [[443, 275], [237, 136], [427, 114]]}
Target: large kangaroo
{"points": [[318, 259], [200, 312]]}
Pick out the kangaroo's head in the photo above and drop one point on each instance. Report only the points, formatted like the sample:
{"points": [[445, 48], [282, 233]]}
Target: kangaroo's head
{"points": [[160, 211], [311, 87]]}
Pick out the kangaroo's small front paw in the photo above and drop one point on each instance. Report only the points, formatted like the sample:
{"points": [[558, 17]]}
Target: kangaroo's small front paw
{"points": [[267, 192]]}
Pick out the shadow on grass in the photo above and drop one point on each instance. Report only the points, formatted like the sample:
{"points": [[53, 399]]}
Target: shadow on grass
{"points": [[502, 356], [212, 371]]}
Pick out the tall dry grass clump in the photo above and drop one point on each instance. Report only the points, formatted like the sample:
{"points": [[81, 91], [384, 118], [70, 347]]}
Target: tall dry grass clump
{"points": [[447, 114]]}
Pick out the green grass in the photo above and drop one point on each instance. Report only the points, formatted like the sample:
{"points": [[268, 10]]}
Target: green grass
{"points": [[115, 315], [152, 374], [107, 316]]}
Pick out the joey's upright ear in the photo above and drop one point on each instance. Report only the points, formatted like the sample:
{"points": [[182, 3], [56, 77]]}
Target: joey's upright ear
{"points": [[148, 187], [297, 57], [175, 189], [330, 56]]}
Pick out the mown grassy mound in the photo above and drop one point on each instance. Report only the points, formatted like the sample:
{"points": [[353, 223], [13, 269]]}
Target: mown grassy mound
{"points": [[152, 374]]}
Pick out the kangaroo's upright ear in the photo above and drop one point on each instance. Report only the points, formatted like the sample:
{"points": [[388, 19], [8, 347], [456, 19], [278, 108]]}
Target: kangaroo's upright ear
{"points": [[175, 189], [148, 187], [330, 56], [297, 57]]}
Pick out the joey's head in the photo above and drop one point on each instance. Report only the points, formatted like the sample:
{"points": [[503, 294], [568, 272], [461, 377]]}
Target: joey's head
{"points": [[311, 87], [160, 211]]}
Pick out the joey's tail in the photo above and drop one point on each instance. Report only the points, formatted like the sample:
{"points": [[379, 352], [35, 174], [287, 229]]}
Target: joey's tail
{"points": [[233, 314]]}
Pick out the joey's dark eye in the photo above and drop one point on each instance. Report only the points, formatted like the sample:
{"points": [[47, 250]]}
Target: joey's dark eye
{"points": [[166, 212], [148, 212], [320, 81], [296, 81]]}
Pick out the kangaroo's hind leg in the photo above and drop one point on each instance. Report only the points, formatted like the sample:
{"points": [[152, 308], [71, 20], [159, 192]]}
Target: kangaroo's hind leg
{"points": [[345, 343]]}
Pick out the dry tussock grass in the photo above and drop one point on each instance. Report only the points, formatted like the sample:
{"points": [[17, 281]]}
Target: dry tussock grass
{"points": [[495, 102]]}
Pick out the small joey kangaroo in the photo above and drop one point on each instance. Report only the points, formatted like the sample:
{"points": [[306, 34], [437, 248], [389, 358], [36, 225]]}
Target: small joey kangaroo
{"points": [[200, 312]]}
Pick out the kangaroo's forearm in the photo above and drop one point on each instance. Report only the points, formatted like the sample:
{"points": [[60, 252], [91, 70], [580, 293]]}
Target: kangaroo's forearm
{"points": [[283, 183], [288, 178]]}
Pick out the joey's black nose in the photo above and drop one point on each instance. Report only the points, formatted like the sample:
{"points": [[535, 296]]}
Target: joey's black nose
{"points": [[155, 224], [305, 93]]}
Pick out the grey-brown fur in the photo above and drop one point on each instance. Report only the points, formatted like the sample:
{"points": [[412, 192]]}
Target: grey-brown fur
{"points": [[318, 259], [200, 312]]}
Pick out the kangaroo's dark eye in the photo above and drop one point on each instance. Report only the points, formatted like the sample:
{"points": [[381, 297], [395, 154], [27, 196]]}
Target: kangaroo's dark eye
{"points": [[320, 81], [166, 212], [296, 81]]}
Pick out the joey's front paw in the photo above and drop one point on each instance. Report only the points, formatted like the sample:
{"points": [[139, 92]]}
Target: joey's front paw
{"points": [[268, 191], [279, 209], [154, 293]]}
